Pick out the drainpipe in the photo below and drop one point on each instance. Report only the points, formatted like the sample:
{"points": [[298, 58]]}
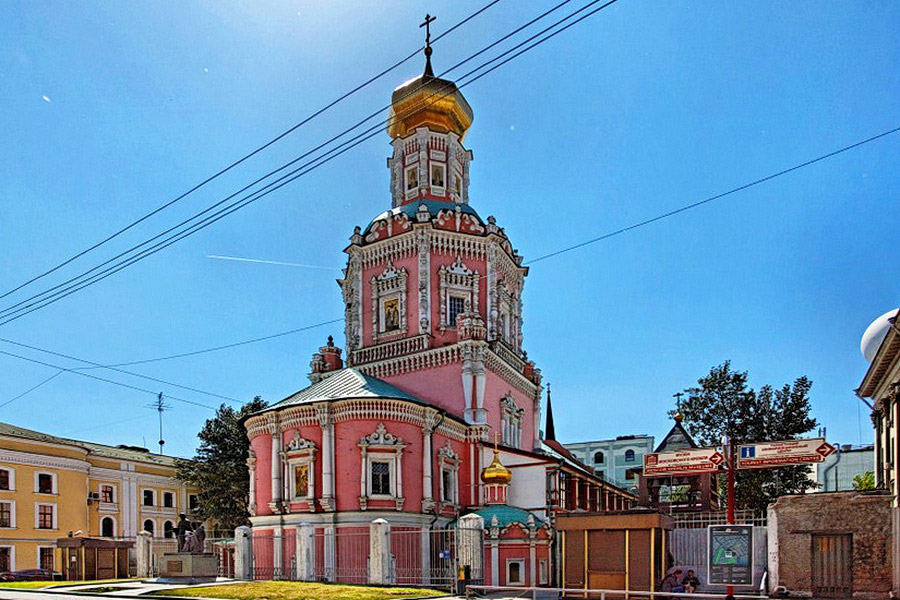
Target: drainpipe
{"points": [[837, 459]]}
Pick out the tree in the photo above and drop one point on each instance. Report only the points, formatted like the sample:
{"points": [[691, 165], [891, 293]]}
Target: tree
{"points": [[724, 404], [864, 481], [219, 469]]}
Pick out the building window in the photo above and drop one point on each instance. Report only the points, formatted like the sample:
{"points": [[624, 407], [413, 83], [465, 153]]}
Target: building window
{"points": [[107, 494], [381, 478], [598, 457], [455, 305], [629, 456], [389, 291], [193, 502], [515, 572], [168, 500], [447, 488], [543, 572], [107, 527], [45, 483], [46, 516], [149, 498], [390, 314], [7, 562], [7, 514], [457, 184], [169, 529], [45, 558], [148, 526], [437, 176], [6, 479], [511, 417], [412, 178]]}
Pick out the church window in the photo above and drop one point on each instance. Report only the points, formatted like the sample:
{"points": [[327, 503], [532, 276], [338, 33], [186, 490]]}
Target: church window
{"points": [[301, 454], [168, 499], [456, 305], [149, 498], [447, 491], [46, 516], [543, 572], [511, 422], [45, 558], [107, 527], [148, 526], [389, 301], [629, 456], [107, 494], [437, 176], [6, 479], [381, 478], [412, 178], [457, 184], [515, 572], [7, 514], [449, 469], [598, 457], [45, 483], [6, 559]]}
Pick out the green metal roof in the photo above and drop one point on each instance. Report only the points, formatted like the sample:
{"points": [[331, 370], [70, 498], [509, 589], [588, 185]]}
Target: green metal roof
{"points": [[346, 384], [506, 515]]}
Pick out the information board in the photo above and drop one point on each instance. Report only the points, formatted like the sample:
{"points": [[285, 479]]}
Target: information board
{"points": [[764, 455], [731, 555]]}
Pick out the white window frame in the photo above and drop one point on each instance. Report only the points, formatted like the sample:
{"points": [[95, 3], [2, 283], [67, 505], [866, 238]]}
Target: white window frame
{"points": [[163, 500], [37, 517], [543, 571], [511, 420], [448, 461], [443, 168], [12, 478], [298, 452], [12, 513], [391, 461], [12, 556], [38, 556], [381, 446], [153, 492], [115, 492], [114, 522], [406, 179], [457, 280], [511, 561], [391, 283], [54, 490]]}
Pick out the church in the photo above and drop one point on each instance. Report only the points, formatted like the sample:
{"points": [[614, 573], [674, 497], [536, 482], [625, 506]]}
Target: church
{"points": [[432, 410]]}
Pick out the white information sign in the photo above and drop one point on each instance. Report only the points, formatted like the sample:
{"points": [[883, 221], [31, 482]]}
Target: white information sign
{"points": [[683, 462], [781, 454]]}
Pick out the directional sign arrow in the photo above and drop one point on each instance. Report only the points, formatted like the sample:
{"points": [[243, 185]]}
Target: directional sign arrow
{"points": [[717, 458], [825, 449]]}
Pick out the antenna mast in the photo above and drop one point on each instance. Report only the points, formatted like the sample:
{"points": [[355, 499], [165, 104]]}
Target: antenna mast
{"points": [[160, 406]]}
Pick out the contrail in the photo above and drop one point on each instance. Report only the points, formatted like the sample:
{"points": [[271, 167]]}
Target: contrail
{"points": [[271, 262]]}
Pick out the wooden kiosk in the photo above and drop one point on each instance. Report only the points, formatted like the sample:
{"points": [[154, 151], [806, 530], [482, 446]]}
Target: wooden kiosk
{"points": [[614, 551], [93, 558]]}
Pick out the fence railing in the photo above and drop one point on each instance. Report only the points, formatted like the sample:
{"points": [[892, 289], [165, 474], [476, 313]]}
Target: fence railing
{"points": [[472, 590], [699, 520]]}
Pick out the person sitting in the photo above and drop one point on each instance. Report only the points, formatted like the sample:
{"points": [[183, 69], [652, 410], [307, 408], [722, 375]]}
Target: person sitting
{"points": [[691, 582], [672, 582]]}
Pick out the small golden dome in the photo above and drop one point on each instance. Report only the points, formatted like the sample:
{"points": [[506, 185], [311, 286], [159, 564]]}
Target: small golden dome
{"points": [[428, 101], [496, 472], [678, 417]]}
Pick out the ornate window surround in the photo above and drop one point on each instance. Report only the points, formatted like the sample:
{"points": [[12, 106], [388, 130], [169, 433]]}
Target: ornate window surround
{"points": [[457, 280], [381, 446], [448, 461], [391, 283], [297, 453], [511, 421]]}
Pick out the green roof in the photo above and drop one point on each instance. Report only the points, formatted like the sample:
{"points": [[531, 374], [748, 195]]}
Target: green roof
{"points": [[100, 450], [506, 515], [346, 384]]}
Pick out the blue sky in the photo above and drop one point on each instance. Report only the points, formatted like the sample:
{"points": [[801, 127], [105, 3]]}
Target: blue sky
{"points": [[112, 108]]}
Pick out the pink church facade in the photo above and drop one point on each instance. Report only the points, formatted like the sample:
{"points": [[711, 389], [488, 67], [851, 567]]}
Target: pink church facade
{"points": [[435, 373]]}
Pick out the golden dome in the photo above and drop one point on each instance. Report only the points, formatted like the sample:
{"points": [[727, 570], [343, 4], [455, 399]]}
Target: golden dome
{"points": [[428, 101], [496, 472]]}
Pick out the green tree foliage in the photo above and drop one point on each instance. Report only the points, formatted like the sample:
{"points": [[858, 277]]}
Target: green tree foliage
{"points": [[722, 403], [864, 481], [219, 469]]}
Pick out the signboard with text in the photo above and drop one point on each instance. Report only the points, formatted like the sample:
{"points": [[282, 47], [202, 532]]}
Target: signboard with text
{"points": [[730, 555], [689, 461], [781, 454]]}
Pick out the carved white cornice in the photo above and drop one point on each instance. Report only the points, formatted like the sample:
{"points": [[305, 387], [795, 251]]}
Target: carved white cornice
{"points": [[43, 460], [381, 438]]}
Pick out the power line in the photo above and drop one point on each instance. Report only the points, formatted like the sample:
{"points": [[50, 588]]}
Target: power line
{"points": [[113, 368], [693, 205], [88, 375], [245, 157], [14, 313], [31, 389]]}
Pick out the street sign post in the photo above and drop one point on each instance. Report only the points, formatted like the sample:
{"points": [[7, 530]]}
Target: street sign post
{"points": [[689, 461], [730, 557], [765, 455]]}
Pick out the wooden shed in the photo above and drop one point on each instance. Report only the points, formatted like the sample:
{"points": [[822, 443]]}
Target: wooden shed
{"points": [[93, 558], [614, 551]]}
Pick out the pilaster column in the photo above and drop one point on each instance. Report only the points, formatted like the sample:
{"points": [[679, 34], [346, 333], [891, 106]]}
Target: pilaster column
{"points": [[277, 554], [328, 546], [327, 423], [425, 556], [277, 485], [306, 552], [532, 563], [251, 500], [431, 420]]}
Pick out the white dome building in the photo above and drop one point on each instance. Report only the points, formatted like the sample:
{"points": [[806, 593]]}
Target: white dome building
{"points": [[875, 334]]}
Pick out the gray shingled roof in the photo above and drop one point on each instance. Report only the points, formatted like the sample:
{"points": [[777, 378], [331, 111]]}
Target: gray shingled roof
{"points": [[93, 449], [345, 384]]}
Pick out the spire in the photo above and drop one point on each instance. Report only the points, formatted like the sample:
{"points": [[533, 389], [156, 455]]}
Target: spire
{"points": [[550, 433], [427, 26]]}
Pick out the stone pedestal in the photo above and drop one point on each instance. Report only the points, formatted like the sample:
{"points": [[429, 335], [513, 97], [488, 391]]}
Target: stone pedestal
{"points": [[188, 566]]}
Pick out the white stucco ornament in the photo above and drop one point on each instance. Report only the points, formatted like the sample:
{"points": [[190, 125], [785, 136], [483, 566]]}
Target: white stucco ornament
{"points": [[875, 334]]}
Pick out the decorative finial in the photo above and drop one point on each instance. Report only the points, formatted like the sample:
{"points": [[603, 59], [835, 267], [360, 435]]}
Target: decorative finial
{"points": [[678, 416], [496, 442], [330, 341], [427, 25]]}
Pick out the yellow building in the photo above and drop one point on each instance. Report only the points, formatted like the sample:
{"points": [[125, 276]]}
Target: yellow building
{"points": [[51, 486]]}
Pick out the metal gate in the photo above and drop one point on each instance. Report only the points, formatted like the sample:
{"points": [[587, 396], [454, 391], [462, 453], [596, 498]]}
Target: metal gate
{"points": [[267, 546], [832, 565], [423, 556], [341, 554]]}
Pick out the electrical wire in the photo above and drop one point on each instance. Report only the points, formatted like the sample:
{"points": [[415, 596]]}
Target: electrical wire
{"points": [[31, 389], [246, 157]]}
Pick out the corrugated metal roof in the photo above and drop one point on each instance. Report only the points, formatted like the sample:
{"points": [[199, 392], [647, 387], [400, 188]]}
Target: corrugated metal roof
{"points": [[345, 384], [92, 448]]}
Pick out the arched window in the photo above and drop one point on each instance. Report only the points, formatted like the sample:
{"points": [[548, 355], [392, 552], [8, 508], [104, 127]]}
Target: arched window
{"points": [[168, 529], [148, 526], [629, 456], [107, 527], [598, 457]]}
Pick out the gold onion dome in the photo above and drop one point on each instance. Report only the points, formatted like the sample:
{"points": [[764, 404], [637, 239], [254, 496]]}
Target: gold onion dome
{"points": [[496, 472], [428, 101]]}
